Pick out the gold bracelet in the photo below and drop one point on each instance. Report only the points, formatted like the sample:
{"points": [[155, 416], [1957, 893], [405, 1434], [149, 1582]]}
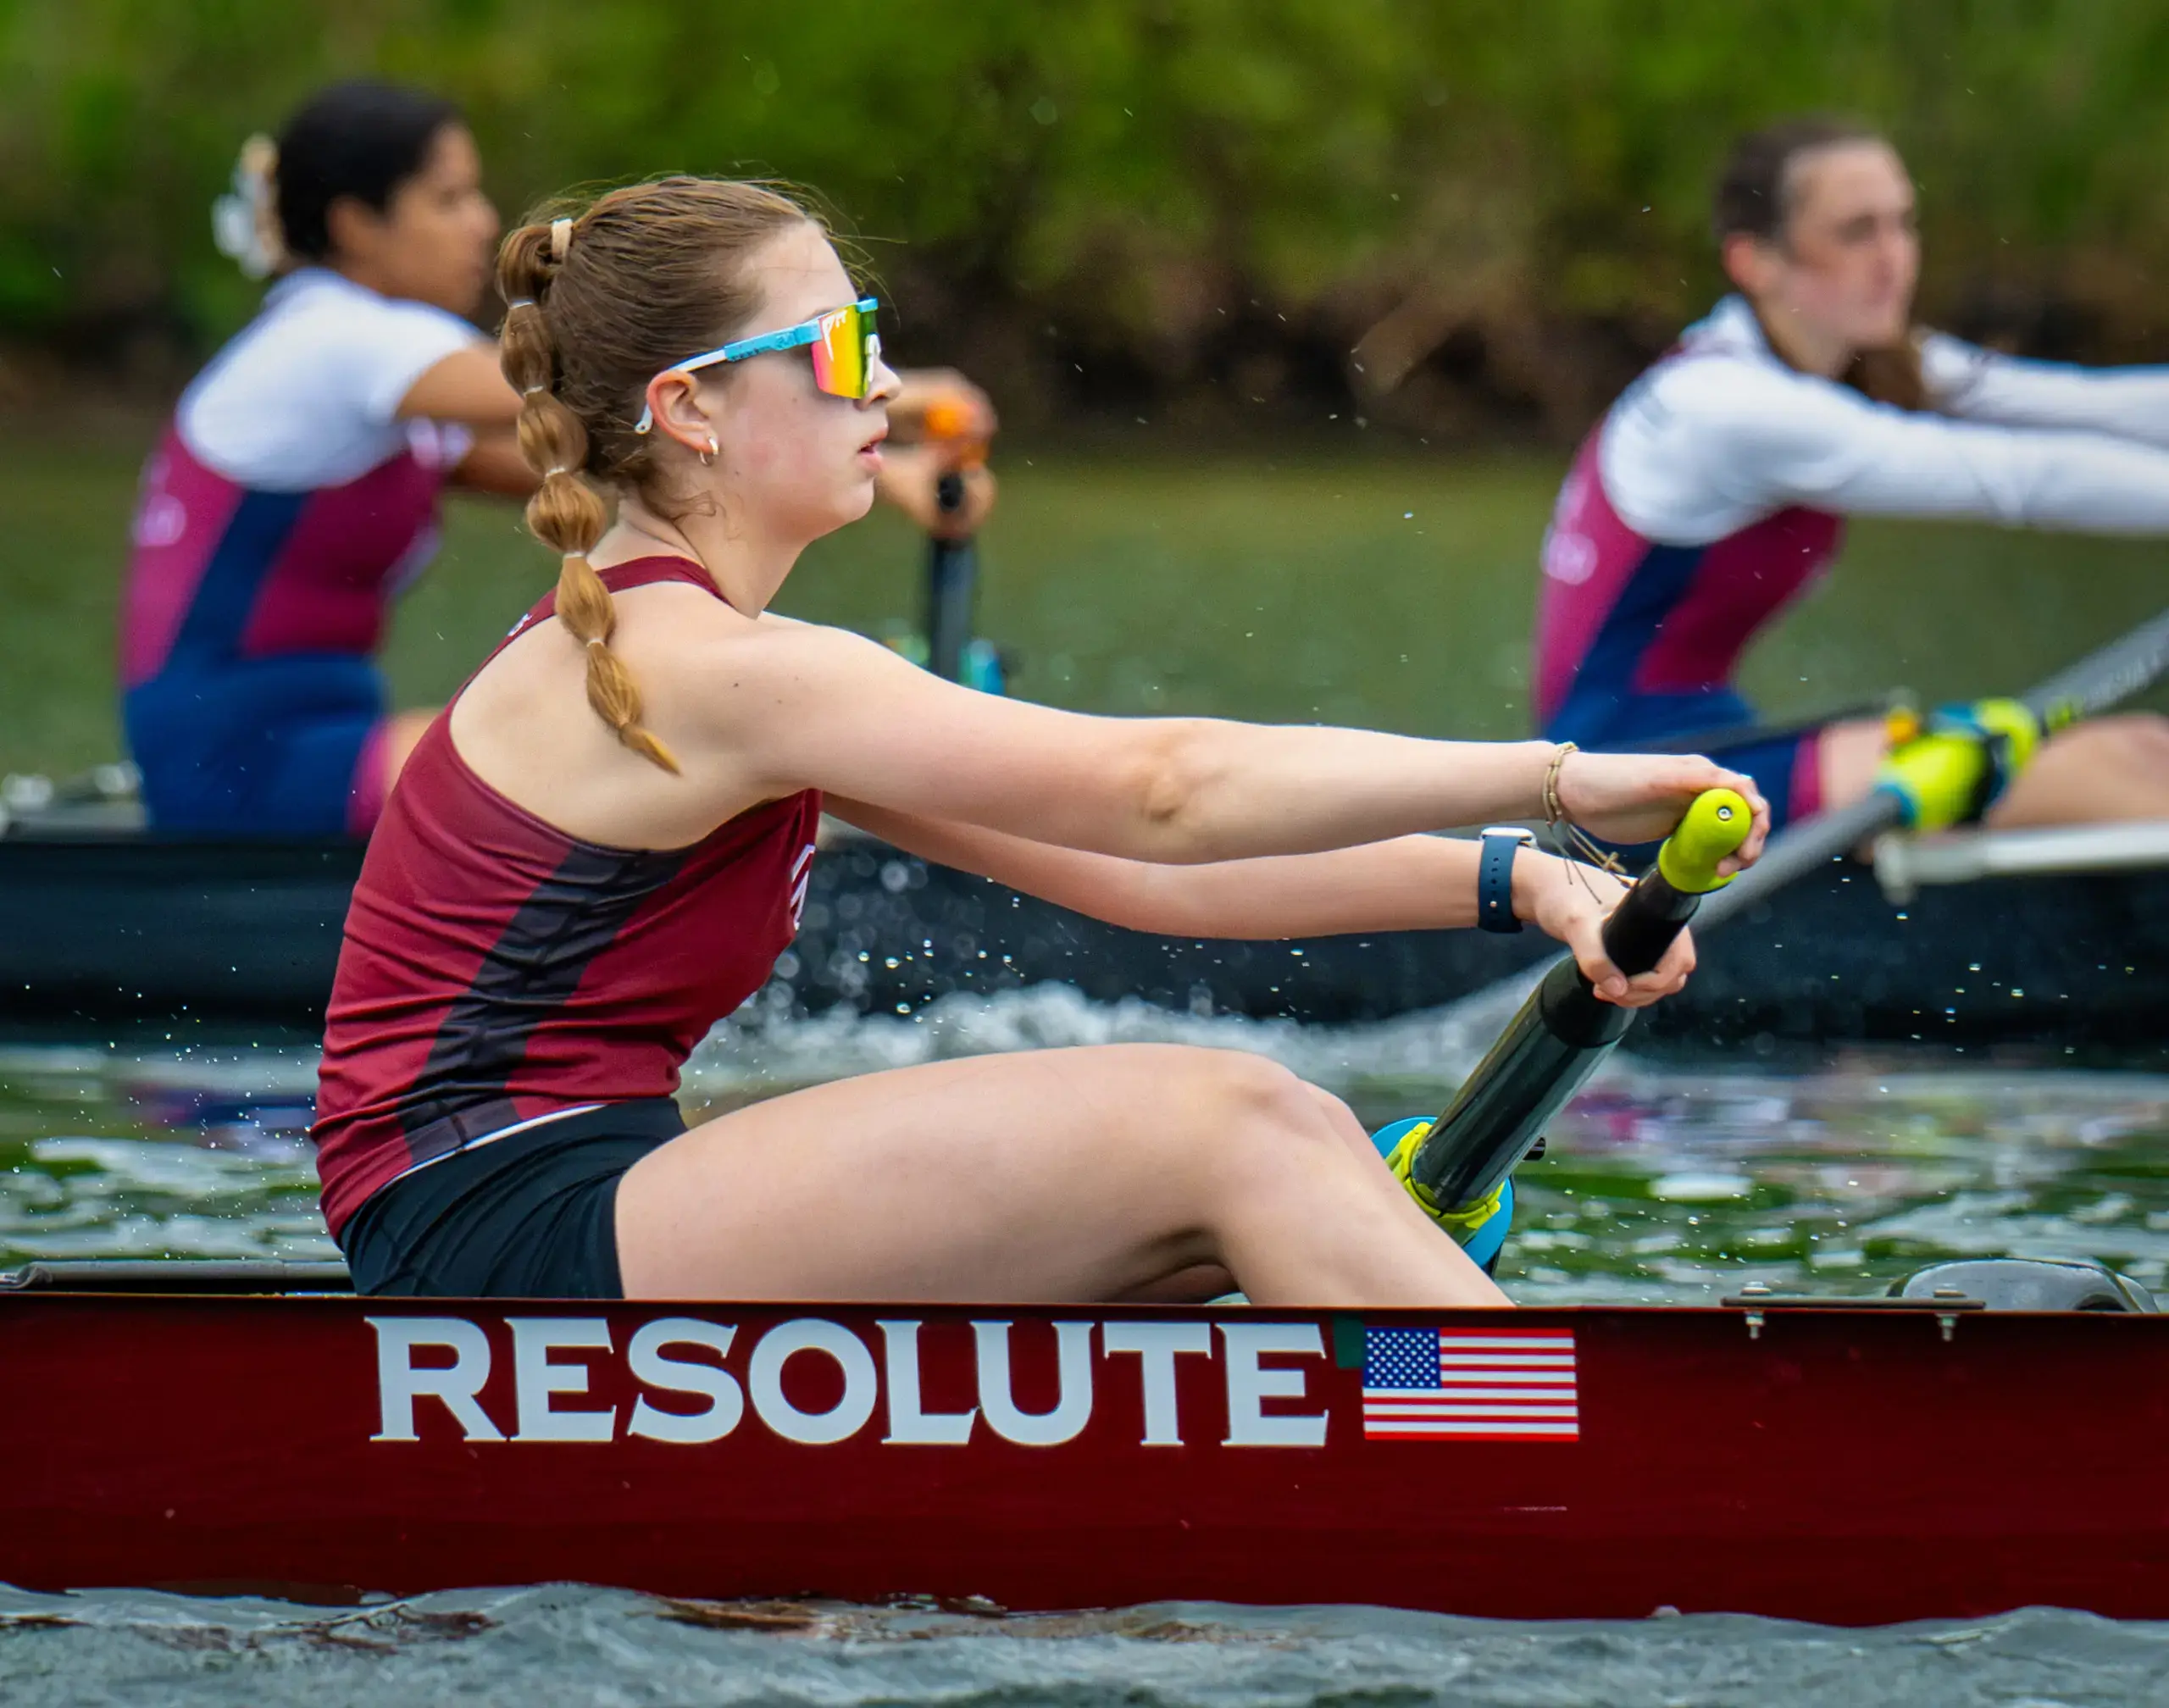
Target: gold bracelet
{"points": [[1554, 813]]}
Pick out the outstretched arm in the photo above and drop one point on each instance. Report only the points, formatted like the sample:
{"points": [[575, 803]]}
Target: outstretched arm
{"points": [[1409, 883], [1771, 441], [798, 706], [1984, 386]]}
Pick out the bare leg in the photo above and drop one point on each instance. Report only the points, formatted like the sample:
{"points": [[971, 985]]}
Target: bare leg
{"points": [[1122, 1171], [1210, 1280], [2103, 769]]}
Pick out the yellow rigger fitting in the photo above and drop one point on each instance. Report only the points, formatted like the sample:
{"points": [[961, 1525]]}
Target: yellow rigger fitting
{"points": [[1951, 771], [1461, 1223]]}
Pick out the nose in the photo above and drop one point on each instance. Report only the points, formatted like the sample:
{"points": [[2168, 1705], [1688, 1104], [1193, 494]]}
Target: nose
{"points": [[886, 385]]}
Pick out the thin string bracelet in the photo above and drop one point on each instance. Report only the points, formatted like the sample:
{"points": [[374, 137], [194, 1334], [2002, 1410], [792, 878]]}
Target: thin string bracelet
{"points": [[1568, 840]]}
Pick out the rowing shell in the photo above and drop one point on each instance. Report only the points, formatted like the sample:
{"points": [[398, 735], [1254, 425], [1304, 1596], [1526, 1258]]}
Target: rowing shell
{"points": [[1852, 1465], [107, 929]]}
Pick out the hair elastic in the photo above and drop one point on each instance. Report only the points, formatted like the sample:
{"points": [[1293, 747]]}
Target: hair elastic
{"points": [[529, 391], [513, 302], [561, 239]]}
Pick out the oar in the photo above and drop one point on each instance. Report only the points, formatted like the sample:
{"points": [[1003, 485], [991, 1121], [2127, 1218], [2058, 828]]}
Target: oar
{"points": [[2095, 683], [952, 564], [1563, 1031]]}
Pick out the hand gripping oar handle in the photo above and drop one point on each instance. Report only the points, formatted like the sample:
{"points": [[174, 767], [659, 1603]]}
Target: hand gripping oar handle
{"points": [[1563, 1030], [2095, 683]]}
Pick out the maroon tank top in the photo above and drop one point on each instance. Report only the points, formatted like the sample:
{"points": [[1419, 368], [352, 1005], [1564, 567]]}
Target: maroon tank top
{"points": [[496, 969]]}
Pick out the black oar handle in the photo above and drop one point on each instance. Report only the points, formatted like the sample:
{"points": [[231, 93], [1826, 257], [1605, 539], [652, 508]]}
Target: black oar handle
{"points": [[1655, 912], [1642, 927]]}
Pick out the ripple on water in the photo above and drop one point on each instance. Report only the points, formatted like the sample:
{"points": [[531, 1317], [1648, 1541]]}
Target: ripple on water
{"points": [[1665, 1181], [538, 1648]]}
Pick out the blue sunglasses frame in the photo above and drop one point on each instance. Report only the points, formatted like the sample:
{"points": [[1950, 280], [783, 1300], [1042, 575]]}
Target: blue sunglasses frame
{"points": [[789, 338]]}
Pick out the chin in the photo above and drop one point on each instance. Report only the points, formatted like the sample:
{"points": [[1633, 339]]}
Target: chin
{"points": [[1886, 330], [849, 510]]}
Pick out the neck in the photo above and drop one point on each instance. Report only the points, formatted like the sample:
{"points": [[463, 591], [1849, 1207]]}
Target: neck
{"points": [[1799, 345], [746, 568], [355, 273]]}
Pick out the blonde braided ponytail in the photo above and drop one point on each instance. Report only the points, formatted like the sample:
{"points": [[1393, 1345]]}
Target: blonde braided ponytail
{"points": [[566, 513]]}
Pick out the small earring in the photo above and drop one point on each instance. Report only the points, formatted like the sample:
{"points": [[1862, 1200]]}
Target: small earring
{"points": [[707, 457]]}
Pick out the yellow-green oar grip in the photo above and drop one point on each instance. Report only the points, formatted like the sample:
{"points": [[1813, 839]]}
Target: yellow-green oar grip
{"points": [[1714, 826]]}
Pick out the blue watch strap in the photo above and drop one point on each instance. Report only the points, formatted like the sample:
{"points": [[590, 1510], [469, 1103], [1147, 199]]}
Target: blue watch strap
{"points": [[1494, 878]]}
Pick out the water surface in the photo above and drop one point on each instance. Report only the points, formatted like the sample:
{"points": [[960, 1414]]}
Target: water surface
{"points": [[540, 1648], [1665, 1181]]}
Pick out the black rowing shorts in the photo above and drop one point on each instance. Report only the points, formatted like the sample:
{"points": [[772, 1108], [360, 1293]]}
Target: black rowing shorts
{"points": [[531, 1215]]}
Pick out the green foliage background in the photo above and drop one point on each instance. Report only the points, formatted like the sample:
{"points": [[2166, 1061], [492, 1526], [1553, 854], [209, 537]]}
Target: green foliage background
{"points": [[1190, 193]]}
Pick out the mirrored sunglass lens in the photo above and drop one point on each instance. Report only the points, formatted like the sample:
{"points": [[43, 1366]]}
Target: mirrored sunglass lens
{"points": [[839, 364]]}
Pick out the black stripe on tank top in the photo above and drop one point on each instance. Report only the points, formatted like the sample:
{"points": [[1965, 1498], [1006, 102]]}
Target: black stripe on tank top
{"points": [[534, 966]]}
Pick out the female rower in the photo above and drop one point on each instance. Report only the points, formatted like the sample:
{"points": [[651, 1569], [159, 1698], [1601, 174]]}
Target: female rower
{"points": [[599, 848], [295, 490], [1713, 493], [295, 493]]}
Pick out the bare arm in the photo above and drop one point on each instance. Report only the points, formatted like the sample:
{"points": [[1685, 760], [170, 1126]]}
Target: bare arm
{"points": [[466, 387], [494, 464], [1409, 883], [797, 706]]}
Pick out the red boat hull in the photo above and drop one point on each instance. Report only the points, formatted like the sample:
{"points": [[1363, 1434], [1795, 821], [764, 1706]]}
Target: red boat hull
{"points": [[1847, 1466]]}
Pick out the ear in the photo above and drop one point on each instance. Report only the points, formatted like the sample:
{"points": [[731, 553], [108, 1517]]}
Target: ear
{"points": [[352, 225], [1749, 262], [674, 400]]}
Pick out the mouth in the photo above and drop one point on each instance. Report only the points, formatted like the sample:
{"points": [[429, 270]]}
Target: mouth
{"points": [[870, 452]]}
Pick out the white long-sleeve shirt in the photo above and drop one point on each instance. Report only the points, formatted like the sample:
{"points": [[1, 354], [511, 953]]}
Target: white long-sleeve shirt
{"points": [[1715, 492], [1723, 433]]}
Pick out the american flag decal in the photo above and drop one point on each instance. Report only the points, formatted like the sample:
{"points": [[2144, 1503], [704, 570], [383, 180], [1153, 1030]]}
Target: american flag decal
{"points": [[1457, 1384]]}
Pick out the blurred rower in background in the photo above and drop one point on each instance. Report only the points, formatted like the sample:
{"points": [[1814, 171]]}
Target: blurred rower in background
{"points": [[1714, 493], [295, 492]]}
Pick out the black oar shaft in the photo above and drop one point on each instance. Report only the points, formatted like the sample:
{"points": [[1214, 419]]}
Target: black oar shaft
{"points": [[2095, 683], [951, 573]]}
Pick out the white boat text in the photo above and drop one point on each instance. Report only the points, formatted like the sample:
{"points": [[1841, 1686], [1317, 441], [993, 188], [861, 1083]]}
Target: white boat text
{"points": [[673, 1361]]}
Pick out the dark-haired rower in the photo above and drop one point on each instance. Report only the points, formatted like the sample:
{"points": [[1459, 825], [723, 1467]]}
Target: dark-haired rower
{"points": [[295, 492], [1714, 492]]}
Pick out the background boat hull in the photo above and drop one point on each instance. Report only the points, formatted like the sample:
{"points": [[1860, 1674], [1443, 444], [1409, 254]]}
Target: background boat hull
{"points": [[101, 930]]}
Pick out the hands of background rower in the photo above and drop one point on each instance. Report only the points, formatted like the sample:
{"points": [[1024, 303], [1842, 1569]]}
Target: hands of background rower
{"points": [[910, 480], [940, 423]]}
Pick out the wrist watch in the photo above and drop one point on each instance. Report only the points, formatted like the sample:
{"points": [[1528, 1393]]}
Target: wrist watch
{"points": [[1494, 876]]}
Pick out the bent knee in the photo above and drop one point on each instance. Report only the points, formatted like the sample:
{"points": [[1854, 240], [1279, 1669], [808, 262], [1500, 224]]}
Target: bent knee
{"points": [[1231, 1090]]}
